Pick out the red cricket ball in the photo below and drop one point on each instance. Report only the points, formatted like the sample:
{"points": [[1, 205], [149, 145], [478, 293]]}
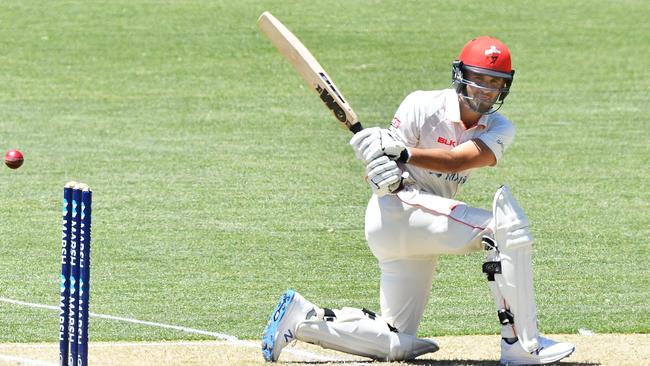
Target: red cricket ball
{"points": [[14, 159]]}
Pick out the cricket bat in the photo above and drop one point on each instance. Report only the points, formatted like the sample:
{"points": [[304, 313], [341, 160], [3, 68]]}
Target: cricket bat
{"points": [[309, 69]]}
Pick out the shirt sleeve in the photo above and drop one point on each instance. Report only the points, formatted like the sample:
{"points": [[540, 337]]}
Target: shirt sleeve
{"points": [[408, 119], [498, 136]]}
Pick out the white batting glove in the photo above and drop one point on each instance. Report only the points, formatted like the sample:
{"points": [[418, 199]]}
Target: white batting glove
{"points": [[384, 176], [377, 142], [361, 139], [389, 144]]}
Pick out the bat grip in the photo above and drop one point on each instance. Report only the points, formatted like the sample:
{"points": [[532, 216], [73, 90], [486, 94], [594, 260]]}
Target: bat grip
{"points": [[356, 127]]}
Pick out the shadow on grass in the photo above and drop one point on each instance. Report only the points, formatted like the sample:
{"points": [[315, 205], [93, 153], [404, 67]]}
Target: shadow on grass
{"points": [[434, 363], [483, 363]]}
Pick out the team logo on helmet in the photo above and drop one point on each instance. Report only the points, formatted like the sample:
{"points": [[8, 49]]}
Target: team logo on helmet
{"points": [[492, 54]]}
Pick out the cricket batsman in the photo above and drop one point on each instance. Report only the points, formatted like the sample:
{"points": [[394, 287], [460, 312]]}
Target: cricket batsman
{"points": [[415, 169]]}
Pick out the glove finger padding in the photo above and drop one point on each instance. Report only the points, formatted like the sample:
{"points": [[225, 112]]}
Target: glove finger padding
{"points": [[393, 147], [361, 139], [384, 175], [382, 142], [359, 136], [380, 164], [372, 151]]}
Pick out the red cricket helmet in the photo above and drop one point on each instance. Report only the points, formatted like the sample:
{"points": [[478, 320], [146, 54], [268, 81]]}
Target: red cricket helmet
{"points": [[489, 55], [483, 55]]}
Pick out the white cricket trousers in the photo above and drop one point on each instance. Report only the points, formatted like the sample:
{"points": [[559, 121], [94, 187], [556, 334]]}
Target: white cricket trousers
{"points": [[406, 233]]}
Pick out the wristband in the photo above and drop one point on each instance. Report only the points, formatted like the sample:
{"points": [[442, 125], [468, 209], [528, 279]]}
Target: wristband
{"points": [[404, 156]]}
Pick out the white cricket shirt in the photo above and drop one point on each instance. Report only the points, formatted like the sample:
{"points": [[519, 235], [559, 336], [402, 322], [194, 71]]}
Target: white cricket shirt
{"points": [[431, 119]]}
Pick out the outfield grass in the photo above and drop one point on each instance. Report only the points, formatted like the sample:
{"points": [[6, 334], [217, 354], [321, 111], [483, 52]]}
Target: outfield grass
{"points": [[219, 180]]}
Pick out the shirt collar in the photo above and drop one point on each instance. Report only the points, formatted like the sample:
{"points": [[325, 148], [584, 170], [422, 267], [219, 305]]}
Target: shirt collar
{"points": [[452, 110]]}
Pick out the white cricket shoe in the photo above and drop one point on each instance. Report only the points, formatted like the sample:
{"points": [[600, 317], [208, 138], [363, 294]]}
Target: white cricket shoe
{"points": [[281, 328], [549, 351]]}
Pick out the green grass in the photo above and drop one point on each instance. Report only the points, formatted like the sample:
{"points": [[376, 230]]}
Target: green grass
{"points": [[219, 180]]}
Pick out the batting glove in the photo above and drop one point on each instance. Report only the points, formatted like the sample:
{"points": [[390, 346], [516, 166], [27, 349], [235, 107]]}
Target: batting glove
{"points": [[383, 142], [362, 139], [384, 176]]}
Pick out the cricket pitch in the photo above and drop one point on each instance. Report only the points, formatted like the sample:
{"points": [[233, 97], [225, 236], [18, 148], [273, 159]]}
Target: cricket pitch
{"points": [[599, 349]]}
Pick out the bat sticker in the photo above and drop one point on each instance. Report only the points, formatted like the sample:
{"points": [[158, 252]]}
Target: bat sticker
{"points": [[331, 103]]}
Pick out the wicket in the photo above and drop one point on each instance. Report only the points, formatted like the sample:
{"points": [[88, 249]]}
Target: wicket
{"points": [[75, 275]]}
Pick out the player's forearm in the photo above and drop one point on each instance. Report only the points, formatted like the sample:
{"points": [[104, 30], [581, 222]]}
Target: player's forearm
{"points": [[437, 160], [468, 155]]}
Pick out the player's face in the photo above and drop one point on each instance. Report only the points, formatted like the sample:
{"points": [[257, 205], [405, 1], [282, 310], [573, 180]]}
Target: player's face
{"points": [[483, 90]]}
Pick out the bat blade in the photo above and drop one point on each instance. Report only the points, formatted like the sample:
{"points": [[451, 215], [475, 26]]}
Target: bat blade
{"points": [[309, 69]]}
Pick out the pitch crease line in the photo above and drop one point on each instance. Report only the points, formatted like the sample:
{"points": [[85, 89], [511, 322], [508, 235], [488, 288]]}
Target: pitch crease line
{"points": [[128, 320], [26, 361], [226, 337]]}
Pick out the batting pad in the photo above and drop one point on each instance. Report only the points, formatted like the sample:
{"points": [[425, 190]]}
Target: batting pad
{"points": [[353, 331], [514, 278]]}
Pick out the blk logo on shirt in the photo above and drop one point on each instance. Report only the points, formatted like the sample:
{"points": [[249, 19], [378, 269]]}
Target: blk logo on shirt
{"points": [[445, 141]]}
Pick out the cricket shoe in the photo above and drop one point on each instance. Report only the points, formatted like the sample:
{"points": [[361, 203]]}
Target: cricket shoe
{"points": [[549, 351], [281, 328]]}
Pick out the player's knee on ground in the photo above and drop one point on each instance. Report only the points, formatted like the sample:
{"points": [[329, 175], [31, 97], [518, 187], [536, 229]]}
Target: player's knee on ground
{"points": [[362, 333]]}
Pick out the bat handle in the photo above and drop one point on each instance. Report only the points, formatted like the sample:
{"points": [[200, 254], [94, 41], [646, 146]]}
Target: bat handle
{"points": [[356, 127]]}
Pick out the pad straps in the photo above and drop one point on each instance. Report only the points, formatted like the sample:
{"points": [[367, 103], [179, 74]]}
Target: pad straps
{"points": [[330, 316], [490, 268]]}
